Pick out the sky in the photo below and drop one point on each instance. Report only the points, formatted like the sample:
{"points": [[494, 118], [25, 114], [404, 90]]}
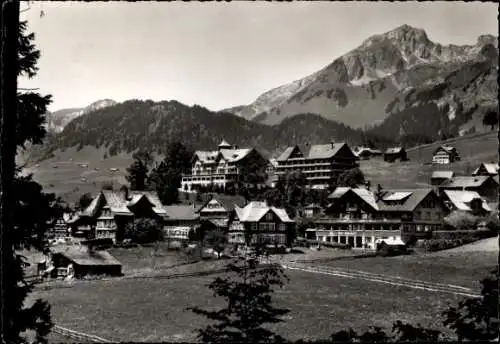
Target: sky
{"points": [[216, 54]]}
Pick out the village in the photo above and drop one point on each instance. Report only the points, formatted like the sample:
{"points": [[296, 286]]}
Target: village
{"points": [[361, 218]]}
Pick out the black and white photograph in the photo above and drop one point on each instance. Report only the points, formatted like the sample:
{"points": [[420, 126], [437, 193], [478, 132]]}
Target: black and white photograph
{"points": [[249, 171]]}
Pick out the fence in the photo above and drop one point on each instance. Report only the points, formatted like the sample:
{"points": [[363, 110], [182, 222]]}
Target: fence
{"points": [[79, 336]]}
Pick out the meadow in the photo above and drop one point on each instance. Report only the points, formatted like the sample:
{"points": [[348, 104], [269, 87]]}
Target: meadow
{"points": [[155, 308]]}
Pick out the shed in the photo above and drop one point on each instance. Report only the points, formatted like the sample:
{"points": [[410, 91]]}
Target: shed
{"points": [[87, 262]]}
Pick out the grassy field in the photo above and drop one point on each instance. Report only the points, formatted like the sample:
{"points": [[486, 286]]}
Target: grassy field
{"points": [[155, 310], [455, 266], [473, 150]]}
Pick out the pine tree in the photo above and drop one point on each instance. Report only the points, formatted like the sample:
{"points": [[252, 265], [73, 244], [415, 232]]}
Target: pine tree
{"points": [[22, 118], [247, 292], [138, 172]]}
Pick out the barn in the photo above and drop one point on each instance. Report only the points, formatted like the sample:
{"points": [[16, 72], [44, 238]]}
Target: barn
{"points": [[85, 261]]}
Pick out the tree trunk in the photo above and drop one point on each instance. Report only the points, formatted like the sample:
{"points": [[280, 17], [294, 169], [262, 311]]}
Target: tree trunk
{"points": [[8, 125]]}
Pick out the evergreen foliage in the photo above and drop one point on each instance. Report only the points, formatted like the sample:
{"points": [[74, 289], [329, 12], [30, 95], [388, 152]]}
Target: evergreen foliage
{"points": [[247, 291]]}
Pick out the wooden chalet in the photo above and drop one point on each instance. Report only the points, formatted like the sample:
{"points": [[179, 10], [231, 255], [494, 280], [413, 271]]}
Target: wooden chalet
{"points": [[110, 211], [485, 186], [445, 155], [485, 169], [395, 153], [358, 217], [259, 223]]}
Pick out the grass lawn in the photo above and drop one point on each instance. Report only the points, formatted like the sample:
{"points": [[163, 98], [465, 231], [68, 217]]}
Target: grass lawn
{"points": [[155, 310], [457, 268]]}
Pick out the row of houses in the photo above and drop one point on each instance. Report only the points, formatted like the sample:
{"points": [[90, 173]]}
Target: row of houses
{"points": [[111, 211]]}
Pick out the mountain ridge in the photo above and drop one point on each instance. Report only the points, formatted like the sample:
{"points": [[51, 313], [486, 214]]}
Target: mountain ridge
{"points": [[367, 78]]}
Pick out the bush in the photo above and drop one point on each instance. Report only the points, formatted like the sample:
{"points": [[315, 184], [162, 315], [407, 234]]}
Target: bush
{"points": [[143, 231]]}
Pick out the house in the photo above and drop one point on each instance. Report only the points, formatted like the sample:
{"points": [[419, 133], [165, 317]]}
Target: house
{"points": [[438, 177], [395, 153], [259, 223], [218, 209], [110, 211], [485, 186], [312, 210], [225, 167], [359, 217], [486, 170], [271, 166], [462, 200], [366, 153], [445, 155], [179, 220], [320, 165], [81, 261], [61, 228]]}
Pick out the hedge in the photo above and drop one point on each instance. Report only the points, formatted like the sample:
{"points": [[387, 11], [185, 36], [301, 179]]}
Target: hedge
{"points": [[445, 240]]}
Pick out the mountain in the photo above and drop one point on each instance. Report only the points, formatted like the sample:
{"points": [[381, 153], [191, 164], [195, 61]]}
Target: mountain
{"points": [[57, 120], [149, 125], [370, 83]]}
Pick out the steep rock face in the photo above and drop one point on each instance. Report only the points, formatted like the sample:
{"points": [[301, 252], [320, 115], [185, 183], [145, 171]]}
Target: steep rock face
{"points": [[362, 87], [57, 120]]}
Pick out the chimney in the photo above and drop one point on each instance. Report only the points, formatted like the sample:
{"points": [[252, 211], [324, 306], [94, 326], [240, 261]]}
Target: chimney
{"points": [[368, 185], [332, 143]]}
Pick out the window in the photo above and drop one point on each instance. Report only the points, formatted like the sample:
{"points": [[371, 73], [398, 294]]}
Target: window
{"points": [[282, 227], [269, 216]]}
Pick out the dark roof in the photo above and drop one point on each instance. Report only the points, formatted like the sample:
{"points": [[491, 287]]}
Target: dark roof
{"points": [[82, 256], [411, 198], [323, 151]]}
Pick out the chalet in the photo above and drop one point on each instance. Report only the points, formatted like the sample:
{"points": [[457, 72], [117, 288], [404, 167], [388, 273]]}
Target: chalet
{"points": [[395, 153], [463, 201], [110, 211], [366, 153], [486, 170], [225, 167], [81, 261], [218, 209], [445, 155], [312, 210], [179, 220], [320, 165], [358, 217], [439, 177], [485, 186], [259, 223]]}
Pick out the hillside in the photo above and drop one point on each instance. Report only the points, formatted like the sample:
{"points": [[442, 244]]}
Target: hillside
{"points": [[473, 149], [150, 125], [397, 73], [57, 120]]}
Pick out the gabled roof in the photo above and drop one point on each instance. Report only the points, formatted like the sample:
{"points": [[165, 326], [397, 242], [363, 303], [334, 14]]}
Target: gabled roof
{"points": [[447, 149], [490, 168], [207, 156], [324, 151], [224, 144], [312, 206], [228, 202], [461, 199], [234, 155], [366, 195], [442, 174], [465, 181], [120, 206], [286, 154], [82, 256], [394, 150], [409, 198], [254, 211], [180, 212]]}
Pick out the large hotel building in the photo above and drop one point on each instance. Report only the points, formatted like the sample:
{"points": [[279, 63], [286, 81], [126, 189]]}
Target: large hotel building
{"points": [[320, 164]]}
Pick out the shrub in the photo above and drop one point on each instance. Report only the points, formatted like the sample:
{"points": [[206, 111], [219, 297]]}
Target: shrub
{"points": [[144, 231]]}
